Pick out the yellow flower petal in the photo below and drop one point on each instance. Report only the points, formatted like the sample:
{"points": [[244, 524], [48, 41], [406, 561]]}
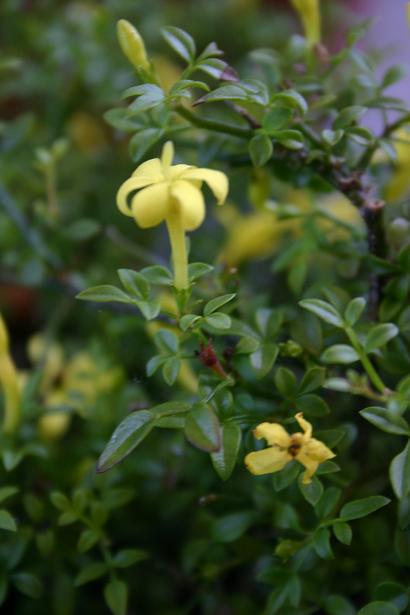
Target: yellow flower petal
{"points": [[191, 203], [131, 184], [167, 155], [177, 170], [216, 180], [305, 425], [310, 465], [150, 205], [273, 433], [151, 169], [316, 450], [267, 461], [311, 455]]}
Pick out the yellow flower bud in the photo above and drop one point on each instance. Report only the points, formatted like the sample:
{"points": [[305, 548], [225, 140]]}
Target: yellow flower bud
{"points": [[132, 45], [309, 13], [9, 383], [54, 425]]}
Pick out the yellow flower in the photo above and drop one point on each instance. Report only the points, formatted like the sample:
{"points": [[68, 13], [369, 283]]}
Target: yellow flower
{"points": [[399, 184], [309, 13], [170, 193], [132, 45], [284, 447], [9, 382]]}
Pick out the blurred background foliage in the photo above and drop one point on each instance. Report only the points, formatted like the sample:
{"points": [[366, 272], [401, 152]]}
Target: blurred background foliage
{"points": [[204, 546]]}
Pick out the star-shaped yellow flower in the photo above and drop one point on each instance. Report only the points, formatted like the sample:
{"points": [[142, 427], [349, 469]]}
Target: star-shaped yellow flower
{"points": [[161, 191], [284, 447]]}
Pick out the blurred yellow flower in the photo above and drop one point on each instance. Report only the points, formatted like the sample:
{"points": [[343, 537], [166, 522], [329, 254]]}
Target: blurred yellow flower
{"points": [[132, 45], [171, 193], [252, 236], [309, 13], [67, 384], [399, 184], [9, 382], [284, 447]]}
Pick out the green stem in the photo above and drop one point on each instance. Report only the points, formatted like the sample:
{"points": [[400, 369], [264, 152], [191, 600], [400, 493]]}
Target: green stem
{"points": [[179, 251], [368, 367], [207, 124]]}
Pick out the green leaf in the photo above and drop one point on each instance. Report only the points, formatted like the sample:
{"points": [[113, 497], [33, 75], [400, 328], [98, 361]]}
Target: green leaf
{"points": [[128, 557], [263, 359], [7, 522], [217, 303], [231, 527], [260, 149], [394, 593], [218, 320], [116, 596], [198, 270], [338, 605], [285, 381], [149, 96], [354, 310], [104, 293], [88, 538], [143, 140], [340, 353], [224, 459], [323, 310], [247, 345], [356, 509], [348, 116], [287, 476], [312, 492], [379, 336], [155, 363], [129, 433], [134, 283], [170, 370], [188, 321], [321, 543], [312, 405], [180, 41], [400, 472], [385, 420], [343, 532], [28, 584], [226, 92], [156, 274], [291, 98], [90, 573], [313, 379], [7, 492], [82, 229], [332, 137], [379, 608], [327, 502], [276, 118], [169, 408], [149, 309], [202, 428], [167, 341]]}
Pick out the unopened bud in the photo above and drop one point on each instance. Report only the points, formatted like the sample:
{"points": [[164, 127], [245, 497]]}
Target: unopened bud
{"points": [[132, 45]]}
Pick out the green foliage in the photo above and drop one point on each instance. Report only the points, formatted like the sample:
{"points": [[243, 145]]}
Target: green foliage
{"points": [[138, 405]]}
